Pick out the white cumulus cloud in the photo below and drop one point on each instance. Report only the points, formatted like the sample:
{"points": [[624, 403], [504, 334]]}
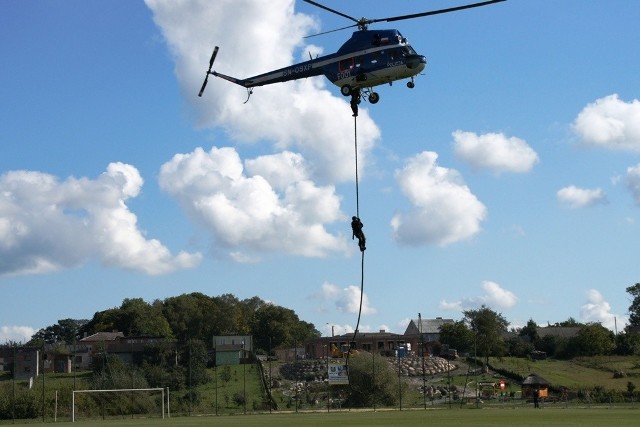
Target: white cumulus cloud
{"points": [[346, 300], [47, 224], [280, 211], [19, 334], [575, 197], [495, 296], [494, 151], [596, 309], [444, 209], [611, 123], [302, 116]]}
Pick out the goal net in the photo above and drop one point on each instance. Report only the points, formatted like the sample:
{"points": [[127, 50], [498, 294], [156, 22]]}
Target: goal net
{"points": [[140, 402]]}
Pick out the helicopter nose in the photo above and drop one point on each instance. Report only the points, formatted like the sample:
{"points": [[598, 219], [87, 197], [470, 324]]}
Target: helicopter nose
{"points": [[416, 61]]}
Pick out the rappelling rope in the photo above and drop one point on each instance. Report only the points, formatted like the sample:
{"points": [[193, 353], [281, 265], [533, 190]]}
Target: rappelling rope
{"points": [[355, 139], [355, 332]]}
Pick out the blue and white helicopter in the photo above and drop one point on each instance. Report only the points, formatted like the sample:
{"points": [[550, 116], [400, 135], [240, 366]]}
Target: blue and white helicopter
{"points": [[368, 59]]}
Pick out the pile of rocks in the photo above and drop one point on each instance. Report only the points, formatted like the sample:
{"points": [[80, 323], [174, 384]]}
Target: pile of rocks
{"points": [[305, 370], [412, 366], [439, 391]]}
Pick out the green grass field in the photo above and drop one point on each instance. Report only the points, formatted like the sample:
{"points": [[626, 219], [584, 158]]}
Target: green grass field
{"points": [[600, 416], [585, 372], [576, 374]]}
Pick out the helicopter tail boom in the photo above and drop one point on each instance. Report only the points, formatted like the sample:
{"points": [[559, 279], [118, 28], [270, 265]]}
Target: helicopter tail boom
{"points": [[311, 68], [242, 82]]}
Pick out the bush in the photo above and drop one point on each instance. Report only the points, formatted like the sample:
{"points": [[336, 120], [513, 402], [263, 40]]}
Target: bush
{"points": [[239, 399]]}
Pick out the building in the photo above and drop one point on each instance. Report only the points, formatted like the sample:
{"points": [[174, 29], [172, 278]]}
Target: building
{"points": [[131, 349], [232, 349], [426, 332], [535, 382], [92, 348], [22, 362], [382, 342]]}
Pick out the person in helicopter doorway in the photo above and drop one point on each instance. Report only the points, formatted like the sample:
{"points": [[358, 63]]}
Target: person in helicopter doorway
{"points": [[355, 100], [356, 227]]}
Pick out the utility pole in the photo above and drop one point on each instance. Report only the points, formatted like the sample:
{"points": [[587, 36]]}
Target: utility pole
{"points": [[270, 380], [43, 359], [215, 371], [424, 384], [244, 380]]}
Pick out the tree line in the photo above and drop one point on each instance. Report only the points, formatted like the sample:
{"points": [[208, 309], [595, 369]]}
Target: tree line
{"points": [[186, 317], [484, 332], [196, 316]]}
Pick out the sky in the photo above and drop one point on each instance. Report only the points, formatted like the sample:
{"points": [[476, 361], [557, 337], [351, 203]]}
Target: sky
{"points": [[509, 176]]}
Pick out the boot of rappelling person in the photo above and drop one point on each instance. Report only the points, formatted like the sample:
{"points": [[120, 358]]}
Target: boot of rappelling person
{"points": [[356, 228]]}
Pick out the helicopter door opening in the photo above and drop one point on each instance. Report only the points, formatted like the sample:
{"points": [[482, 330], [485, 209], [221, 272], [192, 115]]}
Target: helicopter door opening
{"points": [[346, 65]]}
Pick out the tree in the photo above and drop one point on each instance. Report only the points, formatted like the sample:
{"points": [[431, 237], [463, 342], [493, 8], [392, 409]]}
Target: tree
{"points": [[134, 317], [280, 325], [570, 322], [634, 308], [367, 384], [195, 350], [140, 318], [489, 328], [530, 331], [66, 331], [553, 345], [628, 344], [190, 316], [594, 339], [518, 347], [457, 335]]}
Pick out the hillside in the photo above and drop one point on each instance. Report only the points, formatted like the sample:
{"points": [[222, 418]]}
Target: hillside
{"points": [[577, 373]]}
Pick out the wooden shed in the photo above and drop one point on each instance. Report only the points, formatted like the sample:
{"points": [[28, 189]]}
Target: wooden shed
{"points": [[533, 382]]}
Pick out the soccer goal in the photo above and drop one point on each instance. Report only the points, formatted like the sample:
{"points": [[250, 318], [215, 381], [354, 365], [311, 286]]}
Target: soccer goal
{"points": [[118, 402]]}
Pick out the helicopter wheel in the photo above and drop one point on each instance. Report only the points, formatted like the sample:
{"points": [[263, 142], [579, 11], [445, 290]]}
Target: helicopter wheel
{"points": [[411, 85], [345, 90], [374, 97]]}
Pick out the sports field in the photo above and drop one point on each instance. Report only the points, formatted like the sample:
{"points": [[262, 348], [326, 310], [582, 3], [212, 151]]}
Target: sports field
{"points": [[437, 417]]}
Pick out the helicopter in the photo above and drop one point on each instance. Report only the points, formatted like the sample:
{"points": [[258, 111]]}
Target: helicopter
{"points": [[368, 59]]}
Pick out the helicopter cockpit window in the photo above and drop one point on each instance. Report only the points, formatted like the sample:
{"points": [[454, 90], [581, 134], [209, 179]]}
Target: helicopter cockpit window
{"points": [[408, 50]]}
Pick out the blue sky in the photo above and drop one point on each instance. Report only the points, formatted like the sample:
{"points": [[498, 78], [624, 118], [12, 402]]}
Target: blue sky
{"points": [[509, 176]]}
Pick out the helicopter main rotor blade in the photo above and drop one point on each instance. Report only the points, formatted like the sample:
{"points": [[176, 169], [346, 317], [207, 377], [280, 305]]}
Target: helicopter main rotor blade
{"points": [[332, 11], [330, 31], [434, 12]]}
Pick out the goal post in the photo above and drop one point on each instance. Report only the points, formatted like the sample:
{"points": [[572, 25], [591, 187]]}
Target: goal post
{"points": [[121, 390]]}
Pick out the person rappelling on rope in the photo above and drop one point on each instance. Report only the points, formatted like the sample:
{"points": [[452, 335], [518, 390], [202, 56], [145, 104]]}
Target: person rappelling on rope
{"points": [[356, 227], [355, 100]]}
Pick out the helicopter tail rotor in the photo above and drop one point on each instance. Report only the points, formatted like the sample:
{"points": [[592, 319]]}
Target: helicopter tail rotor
{"points": [[206, 77]]}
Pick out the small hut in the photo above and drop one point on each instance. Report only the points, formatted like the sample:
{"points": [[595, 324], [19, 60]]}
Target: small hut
{"points": [[533, 382]]}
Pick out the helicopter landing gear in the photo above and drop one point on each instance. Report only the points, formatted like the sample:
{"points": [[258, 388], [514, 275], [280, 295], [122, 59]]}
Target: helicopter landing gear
{"points": [[411, 84], [346, 90], [368, 94]]}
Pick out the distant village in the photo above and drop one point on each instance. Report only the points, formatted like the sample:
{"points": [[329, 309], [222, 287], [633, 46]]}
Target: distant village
{"points": [[421, 335]]}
